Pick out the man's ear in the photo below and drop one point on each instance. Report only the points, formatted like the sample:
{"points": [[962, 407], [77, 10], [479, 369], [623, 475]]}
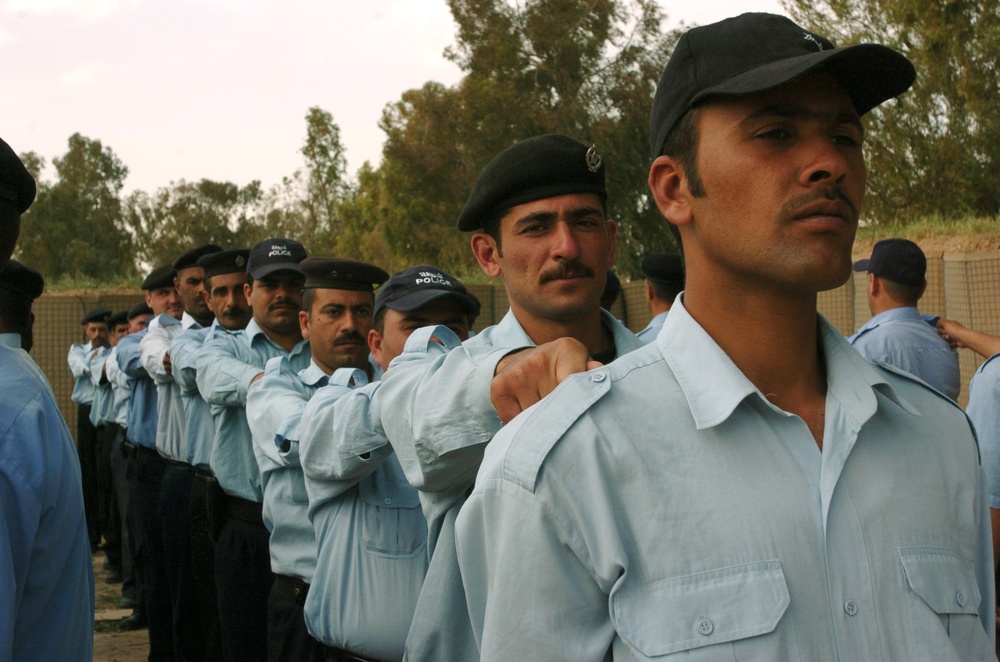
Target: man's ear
{"points": [[669, 186], [304, 323], [874, 285], [246, 293], [375, 347], [484, 247]]}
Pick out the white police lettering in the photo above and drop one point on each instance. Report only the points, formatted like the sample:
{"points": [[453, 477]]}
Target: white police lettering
{"points": [[432, 278], [813, 39], [279, 250]]}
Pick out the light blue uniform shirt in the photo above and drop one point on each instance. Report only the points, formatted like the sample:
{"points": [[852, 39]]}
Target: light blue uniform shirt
{"points": [[984, 411], [199, 428], [649, 334], [79, 365], [904, 338], [142, 403], [120, 384], [169, 409], [281, 394], [46, 573], [663, 506], [225, 365], [102, 410], [438, 416], [370, 530]]}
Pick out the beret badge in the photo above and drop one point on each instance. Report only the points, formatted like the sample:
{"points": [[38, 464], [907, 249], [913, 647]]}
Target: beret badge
{"points": [[594, 160]]}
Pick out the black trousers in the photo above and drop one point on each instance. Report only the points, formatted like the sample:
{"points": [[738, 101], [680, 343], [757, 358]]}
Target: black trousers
{"points": [[149, 469], [203, 568], [243, 581], [123, 472], [86, 448], [287, 636], [175, 523], [107, 504]]}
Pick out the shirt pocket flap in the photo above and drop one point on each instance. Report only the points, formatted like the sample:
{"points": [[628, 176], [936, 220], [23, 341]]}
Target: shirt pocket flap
{"points": [[386, 490], [942, 579], [713, 607]]}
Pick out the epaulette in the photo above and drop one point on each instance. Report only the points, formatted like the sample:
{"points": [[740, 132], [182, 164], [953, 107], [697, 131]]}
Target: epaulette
{"points": [[899, 372]]}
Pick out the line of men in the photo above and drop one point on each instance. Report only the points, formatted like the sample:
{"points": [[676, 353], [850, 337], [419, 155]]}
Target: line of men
{"points": [[553, 489]]}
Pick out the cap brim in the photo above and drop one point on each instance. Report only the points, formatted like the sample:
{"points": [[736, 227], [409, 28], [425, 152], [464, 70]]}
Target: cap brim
{"points": [[861, 265], [268, 269], [870, 73], [414, 300]]}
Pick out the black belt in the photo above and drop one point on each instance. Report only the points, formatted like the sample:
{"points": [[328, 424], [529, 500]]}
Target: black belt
{"points": [[244, 510], [179, 466], [340, 655], [147, 450], [204, 472], [291, 588], [129, 447]]}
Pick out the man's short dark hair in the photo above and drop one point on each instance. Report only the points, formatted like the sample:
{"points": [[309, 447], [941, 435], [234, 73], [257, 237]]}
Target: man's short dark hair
{"points": [[666, 290], [908, 294], [682, 146]]}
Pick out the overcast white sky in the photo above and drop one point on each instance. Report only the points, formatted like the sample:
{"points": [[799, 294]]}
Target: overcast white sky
{"points": [[219, 89]]}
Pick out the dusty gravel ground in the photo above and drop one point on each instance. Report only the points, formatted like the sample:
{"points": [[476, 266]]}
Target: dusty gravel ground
{"points": [[110, 644]]}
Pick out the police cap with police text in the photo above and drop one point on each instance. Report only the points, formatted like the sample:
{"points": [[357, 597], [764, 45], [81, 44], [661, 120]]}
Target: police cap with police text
{"points": [[19, 280], [190, 258], [415, 287], [757, 52], [275, 254], [533, 169], [159, 278], [333, 273], [225, 262]]}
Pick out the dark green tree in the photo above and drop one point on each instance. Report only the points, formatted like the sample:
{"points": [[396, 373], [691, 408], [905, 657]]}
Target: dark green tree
{"points": [[188, 214], [935, 151], [77, 225], [585, 68]]}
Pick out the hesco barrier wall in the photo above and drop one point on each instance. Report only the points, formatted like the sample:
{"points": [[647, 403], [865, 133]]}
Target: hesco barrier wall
{"points": [[959, 286]]}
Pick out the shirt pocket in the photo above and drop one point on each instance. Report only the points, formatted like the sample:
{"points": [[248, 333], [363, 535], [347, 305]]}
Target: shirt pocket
{"points": [[713, 615], [943, 605], [393, 524]]}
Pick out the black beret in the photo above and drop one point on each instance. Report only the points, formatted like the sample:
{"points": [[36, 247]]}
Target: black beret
{"points": [[417, 286], [664, 267], [121, 317], [332, 273], [225, 262], [139, 309], [22, 281], [96, 315], [533, 169], [16, 183], [190, 258], [159, 277]]}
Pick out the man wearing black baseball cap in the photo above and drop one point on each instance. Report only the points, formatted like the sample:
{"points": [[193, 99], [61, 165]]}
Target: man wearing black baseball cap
{"points": [[897, 333], [664, 281], [538, 214], [777, 496], [353, 478], [226, 365]]}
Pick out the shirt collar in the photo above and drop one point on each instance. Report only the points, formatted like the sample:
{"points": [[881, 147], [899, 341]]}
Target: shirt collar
{"points": [[313, 375], [714, 387], [511, 332], [187, 322], [12, 340]]}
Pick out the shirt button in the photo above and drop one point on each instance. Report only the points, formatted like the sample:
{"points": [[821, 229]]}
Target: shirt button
{"points": [[851, 607], [960, 599], [705, 626], [388, 501], [598, 377]]}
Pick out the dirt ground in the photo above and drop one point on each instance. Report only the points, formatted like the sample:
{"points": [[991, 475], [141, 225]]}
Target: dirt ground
{"points": [[970, 243], [111, 644]]}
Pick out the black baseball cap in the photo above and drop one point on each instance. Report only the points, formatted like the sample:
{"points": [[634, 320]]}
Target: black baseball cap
{"points": [[275, 254], [533, 169], [417, 286], [663, 267], [757, 52], [898, 260]]}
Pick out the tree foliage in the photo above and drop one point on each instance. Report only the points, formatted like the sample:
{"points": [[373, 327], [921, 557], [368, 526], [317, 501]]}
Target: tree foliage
{"points": [[585, 68], [76, 226], [937, 149]]}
